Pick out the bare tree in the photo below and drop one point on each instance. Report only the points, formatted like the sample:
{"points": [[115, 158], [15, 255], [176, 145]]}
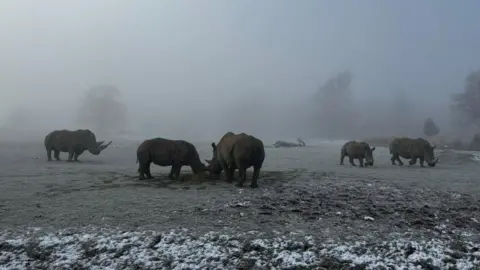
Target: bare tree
{"points": [[334, 114], [466, 105], [430, 128], [102, 111]]}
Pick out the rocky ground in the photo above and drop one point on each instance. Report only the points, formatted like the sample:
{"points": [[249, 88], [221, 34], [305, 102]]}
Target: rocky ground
{"points": [[309, 212]]}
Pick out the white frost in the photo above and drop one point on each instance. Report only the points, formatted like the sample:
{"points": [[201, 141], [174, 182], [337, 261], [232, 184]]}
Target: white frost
{"points": [[177, 249]]}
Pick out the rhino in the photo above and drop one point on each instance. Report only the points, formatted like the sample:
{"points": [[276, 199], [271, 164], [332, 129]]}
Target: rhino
{"points": [[165, 152], [413, 149], [300, 143], [75, 142], [357, 150], [237, 151]]}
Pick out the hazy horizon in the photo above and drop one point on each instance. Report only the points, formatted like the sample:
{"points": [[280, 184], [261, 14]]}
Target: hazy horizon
{"points": [[187, 69]]}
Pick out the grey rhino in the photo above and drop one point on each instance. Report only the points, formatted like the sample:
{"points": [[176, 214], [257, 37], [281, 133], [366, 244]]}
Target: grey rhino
{"points": [[237, 151], [165, 152], [300, 143], [412, 149], [357, 150], [75, 142]]}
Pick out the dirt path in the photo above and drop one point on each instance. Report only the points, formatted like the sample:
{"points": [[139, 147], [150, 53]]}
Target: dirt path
{"points": [[302, 190]]}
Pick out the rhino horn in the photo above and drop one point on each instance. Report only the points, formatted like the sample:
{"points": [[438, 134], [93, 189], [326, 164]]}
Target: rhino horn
{"points": [[103, 146], [208, 161], [99, 144], [433, 147]]}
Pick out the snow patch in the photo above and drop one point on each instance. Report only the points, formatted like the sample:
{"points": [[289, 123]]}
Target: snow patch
{"points": [[178, 249]]}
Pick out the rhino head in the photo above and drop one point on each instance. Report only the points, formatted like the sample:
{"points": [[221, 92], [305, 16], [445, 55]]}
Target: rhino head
{"points": [[213, 164], [429, 155], [91, 144], [369, 156]]}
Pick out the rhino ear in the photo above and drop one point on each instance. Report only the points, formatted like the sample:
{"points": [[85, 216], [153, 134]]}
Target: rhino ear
{"points": [[373, 149], [214, 146]]}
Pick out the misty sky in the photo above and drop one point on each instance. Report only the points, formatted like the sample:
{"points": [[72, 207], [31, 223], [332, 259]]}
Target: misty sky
{"points": [[184, 57]]}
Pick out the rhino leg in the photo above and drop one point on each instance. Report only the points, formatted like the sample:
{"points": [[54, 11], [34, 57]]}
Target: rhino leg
{"points": [[172, 172], [393, 158], [243, 176], [422, 160], [49, 154], [397, 158], [413, 161], [56, 154], [71, 152], [227, 170], [256, 173], [176, 170], [360, 160], [350, 159], [342, 157], [144, 169]]}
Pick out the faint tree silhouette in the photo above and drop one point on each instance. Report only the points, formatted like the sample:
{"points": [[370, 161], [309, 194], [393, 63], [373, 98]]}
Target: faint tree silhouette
{"points": [[335, 112], [466, 105], [430, 128], [102, 111]]}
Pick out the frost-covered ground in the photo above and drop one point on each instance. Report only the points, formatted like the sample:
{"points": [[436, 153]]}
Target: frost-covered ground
{"points": [[308, 212], [110, 249]]}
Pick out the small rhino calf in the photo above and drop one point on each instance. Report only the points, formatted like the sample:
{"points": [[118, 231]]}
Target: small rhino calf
{"points": [[357, 150]]}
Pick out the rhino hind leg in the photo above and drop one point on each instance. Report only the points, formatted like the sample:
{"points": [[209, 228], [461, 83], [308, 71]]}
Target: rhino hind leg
{"points": [[393, 158], [396, 157], [49, 154], [144, 169], [243, 176], [342, 157], [256, 173]]}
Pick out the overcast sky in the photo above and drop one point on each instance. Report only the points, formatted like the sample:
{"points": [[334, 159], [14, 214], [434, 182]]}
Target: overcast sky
{"points": [[165, 55]]}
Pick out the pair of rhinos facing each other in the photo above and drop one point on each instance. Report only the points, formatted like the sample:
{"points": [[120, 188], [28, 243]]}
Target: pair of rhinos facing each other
{"points": [[233, 151], [407, 148]]}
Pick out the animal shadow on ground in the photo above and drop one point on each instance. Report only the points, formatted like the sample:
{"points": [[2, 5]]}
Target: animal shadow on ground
{"points": [[186, 181]]}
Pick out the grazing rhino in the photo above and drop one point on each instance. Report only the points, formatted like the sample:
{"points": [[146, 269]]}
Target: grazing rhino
{"points": [[165, 152], [357, 150], [237, 151], [412, 149], [75, 142]]}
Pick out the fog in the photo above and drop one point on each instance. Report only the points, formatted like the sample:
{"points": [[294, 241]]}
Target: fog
{"points": [[197, 69]]}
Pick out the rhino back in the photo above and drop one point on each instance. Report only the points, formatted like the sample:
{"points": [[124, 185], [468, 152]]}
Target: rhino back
{"points": [[356, 149], [399, 144], [345, 146], [248, 150], [61, 140], [420, 147], [186, 153], [161, 151]]}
